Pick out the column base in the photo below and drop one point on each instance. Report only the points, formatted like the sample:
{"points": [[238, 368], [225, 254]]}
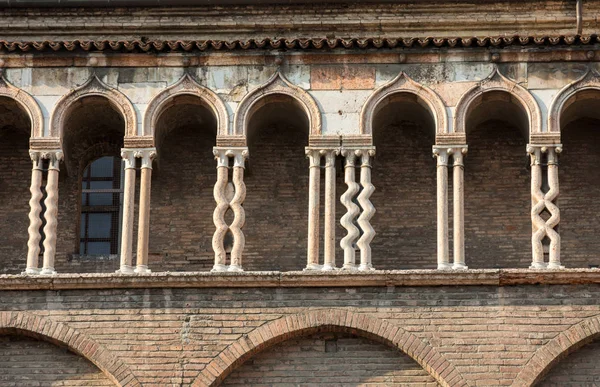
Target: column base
{"points": [[444, 266], [125, 269], [328, 267], [367, 267], [313, 266], [219, 268], [31, 271], [538, 265], [459, 266], [142, 269], [555, 266], [48, 271], [349, 266], [235, 269]]}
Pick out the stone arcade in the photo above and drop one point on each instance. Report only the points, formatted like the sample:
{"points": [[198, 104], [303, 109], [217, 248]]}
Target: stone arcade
{"points": [[252, 193]]}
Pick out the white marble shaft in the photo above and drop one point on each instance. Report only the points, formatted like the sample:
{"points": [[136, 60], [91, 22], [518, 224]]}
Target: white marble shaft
{"points": [[544, 201], [225, 201], [443, 155], [368, 210], [352, 210], [330, 201], [314, 183], [54, 157], [146, 155], [126, 266]]}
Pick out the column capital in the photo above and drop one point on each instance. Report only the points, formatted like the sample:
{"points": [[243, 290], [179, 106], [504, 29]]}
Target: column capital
{"points": [[146, 154], [535, 151], [128, 155], [239, 154], [53, 155], [543, 148]]}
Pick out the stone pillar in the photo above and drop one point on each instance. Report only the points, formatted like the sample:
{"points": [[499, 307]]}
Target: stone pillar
{"points": [[353, 210], [330, 201], [459, 209], [226, 201], [147, 155], [443, 257], [51, 202], [544, 201], [35, 221], [314, 182], [368, 210], [128, 156]]}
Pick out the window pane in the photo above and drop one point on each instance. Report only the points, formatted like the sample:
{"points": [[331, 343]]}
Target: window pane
{"points": [[82, 227], [101, 185], [84, 201], [100, 199], [99, 226], [81, 248], [98, 248], [103, 167]]}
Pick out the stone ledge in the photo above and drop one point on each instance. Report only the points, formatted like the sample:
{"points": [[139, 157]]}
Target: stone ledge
{"points": [[488, 277]]}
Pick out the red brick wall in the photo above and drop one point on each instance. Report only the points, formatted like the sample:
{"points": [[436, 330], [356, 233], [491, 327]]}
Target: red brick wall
{"points": [[578, 369]]}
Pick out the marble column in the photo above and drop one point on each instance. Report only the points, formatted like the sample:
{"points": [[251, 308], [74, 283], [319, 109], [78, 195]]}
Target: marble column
{"points": [[225, 201], [51, 202], [35, 221], [128, 156], [443, 256], [146, 156], [544, 200], [330, 201], [368, 210], [458, 207], [314, 189], [352, 210]]}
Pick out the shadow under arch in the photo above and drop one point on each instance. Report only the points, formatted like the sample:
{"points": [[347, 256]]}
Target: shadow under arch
{"points": [[557, 349], [284, 328], [54, 332]]}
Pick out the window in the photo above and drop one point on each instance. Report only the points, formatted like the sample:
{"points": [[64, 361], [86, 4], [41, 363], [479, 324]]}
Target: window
{"points": [[101, 204]]}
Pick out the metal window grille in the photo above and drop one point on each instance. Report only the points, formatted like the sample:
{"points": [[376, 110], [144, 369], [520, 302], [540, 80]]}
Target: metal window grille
{"points": [[101, 206]]}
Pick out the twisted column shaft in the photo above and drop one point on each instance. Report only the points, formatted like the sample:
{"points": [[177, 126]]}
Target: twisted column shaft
{"points": [[347, 221], [35, 221], [239, 215], [220, 210], [51, 212], [368, 210], [147, 155]]}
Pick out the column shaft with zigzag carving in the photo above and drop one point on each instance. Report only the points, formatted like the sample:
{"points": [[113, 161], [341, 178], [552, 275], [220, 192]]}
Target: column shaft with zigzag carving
{"points": [[348, 220], [368, 210]]}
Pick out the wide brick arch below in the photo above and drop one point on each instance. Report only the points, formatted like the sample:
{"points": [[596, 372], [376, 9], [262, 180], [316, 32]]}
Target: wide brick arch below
{"points": [[287, 327], [58, 333]]}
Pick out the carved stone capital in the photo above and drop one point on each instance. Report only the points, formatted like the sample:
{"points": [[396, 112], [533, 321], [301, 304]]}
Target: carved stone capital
{"points": [[53, 155], [147, 155], [443, 153], [238, 154], [128, 155], [536, 151]]}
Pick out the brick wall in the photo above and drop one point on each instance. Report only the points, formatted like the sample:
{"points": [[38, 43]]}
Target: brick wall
{"points": [[579, 369]]}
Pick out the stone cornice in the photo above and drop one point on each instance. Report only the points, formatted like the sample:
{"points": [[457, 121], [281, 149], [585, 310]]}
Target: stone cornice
{"points": [[490, 277]]}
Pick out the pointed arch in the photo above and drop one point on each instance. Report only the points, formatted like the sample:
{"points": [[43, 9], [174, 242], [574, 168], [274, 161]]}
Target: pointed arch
{"points": [[27, 102], [498, 82], [589, 81], [55, 332], [93, 87], [361, 324], [404, 84], [186, 85], [557, 349], [277, 84]]}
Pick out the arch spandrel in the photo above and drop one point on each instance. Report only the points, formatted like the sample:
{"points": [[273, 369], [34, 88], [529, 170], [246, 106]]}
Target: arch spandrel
{"points": [[287, 327], [27, 102], [93, 87], [404, 84], [186, 85], [59, 333], [498, 82], [589, 81], [277, 84]]}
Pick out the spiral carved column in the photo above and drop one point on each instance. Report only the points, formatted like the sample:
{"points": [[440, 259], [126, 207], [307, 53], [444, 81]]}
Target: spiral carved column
{"points": [[51, 202], [126, 266], [544, 201], [35, 221], [147, 155], [368, 210], [352, 210], [226, 201]]}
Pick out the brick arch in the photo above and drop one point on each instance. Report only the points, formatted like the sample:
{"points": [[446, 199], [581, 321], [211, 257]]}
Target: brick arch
{"points": [[404, 84], [498, 82], [59, 333], [186, 85], [557, 349], [277, 85], [93, 87], [284, 328], [590, 81], [27, 103]]}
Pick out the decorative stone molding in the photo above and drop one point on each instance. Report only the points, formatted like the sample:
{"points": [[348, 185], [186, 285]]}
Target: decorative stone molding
{"points": [[328, 320], [545, 201], [277, 84], [555, 350], [229, 197], [186, 85], [590, 81], [51, 214], [498, 82], [93, 87], [404, 84], [27, 102], [44, 328]]}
